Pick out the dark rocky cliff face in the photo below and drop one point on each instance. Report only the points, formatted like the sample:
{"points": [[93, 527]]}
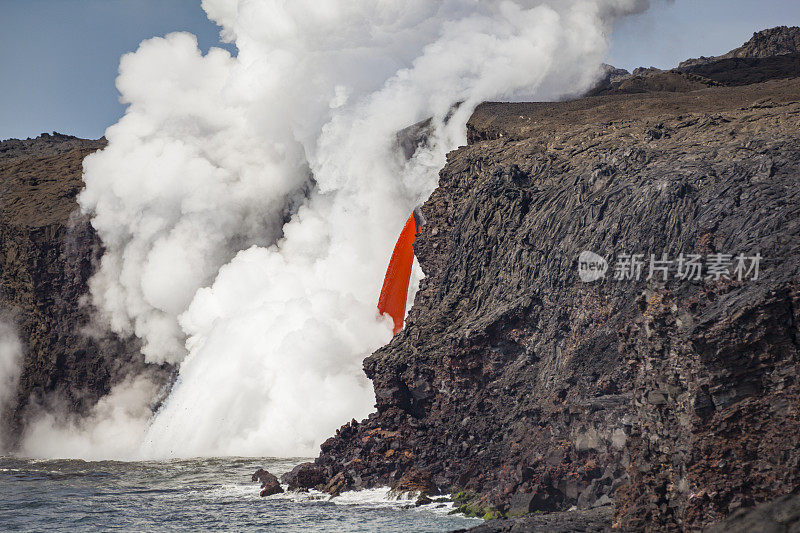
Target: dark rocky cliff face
{"points": [[531, 390], [47, 254]]}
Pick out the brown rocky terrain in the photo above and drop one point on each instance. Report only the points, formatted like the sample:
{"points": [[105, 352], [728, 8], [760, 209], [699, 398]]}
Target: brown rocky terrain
{"points": [[47, 254], [524, 389], [780, 516]]}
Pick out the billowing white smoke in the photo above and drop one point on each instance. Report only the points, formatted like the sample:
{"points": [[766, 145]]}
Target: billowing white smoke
{"points": [[113, 429], [10, 369], [270, 319]]}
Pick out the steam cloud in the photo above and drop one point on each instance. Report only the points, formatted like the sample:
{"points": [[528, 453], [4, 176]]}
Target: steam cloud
{"points": [[10, 369], [113, 429], [249, 204]]}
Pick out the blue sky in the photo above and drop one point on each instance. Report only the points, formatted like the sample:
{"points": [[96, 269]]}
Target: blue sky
{"points": [[673, 31], [59, 58]]}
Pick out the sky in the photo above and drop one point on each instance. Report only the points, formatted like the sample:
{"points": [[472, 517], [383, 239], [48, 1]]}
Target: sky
{"points": [[676, 30], [59, 58]]}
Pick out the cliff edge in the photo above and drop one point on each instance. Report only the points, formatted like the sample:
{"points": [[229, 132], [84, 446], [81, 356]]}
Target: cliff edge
{"points": [[524, 389]]}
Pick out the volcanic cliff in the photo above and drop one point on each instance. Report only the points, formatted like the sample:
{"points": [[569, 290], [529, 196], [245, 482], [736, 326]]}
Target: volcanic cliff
{"points": [[525, 389], [48, 251]]}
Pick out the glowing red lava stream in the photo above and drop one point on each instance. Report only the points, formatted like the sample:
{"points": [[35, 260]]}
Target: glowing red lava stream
{"points": [[398, 274]]}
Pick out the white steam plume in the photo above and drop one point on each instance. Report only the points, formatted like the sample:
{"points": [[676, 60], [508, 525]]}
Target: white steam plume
{"points": [[113, 429], [10, 370], [270, 320]]}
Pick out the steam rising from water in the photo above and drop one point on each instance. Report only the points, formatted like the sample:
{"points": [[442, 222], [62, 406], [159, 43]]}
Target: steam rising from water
{"points": [[113, 429], [224, 254], [10, 368]]}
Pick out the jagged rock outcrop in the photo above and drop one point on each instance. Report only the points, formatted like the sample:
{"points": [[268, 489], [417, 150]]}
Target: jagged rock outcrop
{"points": [[269, 483], [778, 41], [770, 54], [525, 388], [305, 476], [48, 251]]}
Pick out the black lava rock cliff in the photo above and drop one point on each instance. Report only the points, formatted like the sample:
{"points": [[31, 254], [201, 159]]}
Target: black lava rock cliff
{"points": [[524, 389], [48, 251]]}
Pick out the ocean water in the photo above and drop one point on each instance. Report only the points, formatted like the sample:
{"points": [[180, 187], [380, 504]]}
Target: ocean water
{"points": [[192, 495]]}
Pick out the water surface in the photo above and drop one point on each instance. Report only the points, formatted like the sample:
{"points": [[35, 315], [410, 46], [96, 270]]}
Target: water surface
{"points": [[191, 495]]}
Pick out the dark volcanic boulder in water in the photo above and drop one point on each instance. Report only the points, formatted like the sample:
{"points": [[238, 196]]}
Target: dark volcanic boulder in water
{"points": [[269, 482], [340, 482], [678, 399], [412, 484], [304, 476]]}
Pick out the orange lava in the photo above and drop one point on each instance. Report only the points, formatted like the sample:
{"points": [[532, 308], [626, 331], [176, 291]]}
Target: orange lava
{"points": [[398, 274]]}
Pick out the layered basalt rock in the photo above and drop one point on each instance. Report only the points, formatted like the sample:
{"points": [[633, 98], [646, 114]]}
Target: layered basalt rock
{"points": [[48, 251], [526, 389]]}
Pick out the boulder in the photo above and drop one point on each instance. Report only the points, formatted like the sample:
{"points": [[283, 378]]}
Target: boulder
{"points": [[414, 483], [269, 482], [338, 484], [304, 476], [542, 499]]}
